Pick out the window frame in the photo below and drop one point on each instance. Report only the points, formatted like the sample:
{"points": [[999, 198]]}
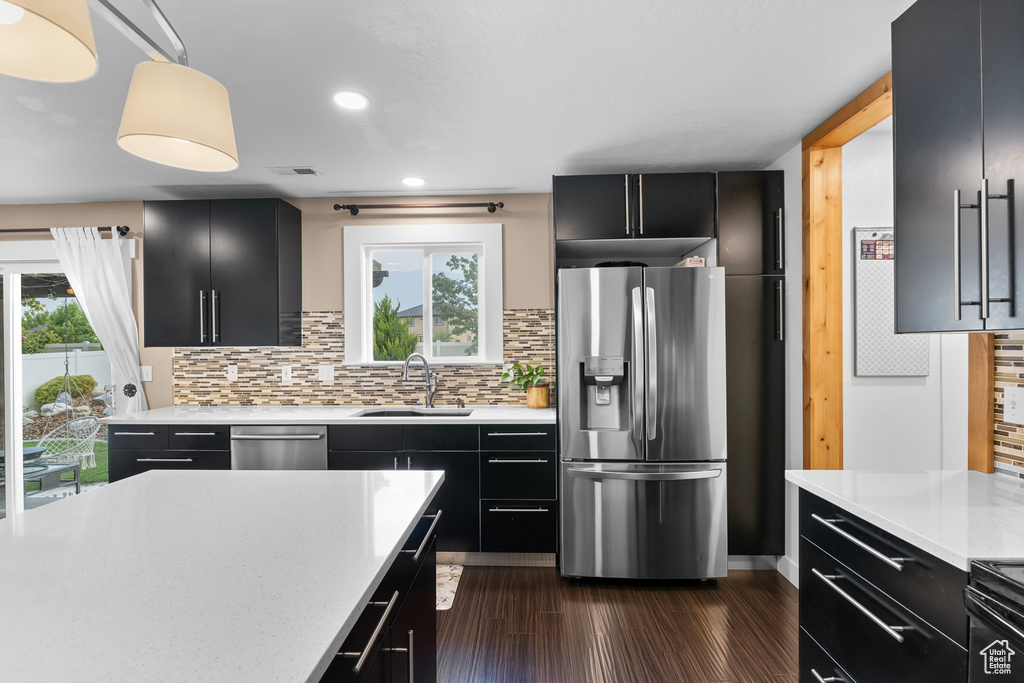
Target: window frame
{"points": [[483, 238]]}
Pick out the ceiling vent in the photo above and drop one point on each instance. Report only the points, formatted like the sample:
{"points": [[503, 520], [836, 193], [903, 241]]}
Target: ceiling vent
{"points": [[293, 170]]}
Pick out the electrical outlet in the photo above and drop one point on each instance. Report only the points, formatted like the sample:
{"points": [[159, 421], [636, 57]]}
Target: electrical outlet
{"points": [[1013, 405], [286, 373], [147, 373], [505, 367], [326, 373], [232, 373]]}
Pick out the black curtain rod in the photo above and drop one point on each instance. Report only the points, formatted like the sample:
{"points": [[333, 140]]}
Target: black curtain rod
{"points": [[355, 208], [122, 230]]}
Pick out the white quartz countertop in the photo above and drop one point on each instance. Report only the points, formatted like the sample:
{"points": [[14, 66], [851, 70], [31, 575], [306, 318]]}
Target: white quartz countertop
{"points": [[242, 415], [200, 576], [958, 516]]}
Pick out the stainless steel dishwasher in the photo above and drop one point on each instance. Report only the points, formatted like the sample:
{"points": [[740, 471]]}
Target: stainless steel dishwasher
{"points": [[279, 447]]}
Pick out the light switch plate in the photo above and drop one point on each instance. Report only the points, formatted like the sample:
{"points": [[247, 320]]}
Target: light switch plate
{"points": [[326, 373], [147, 373], [232, 373], [286, 373], [1013, 405]]}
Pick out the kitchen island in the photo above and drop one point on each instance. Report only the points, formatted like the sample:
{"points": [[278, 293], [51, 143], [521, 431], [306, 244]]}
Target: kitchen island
{"points": [[201, 576]]}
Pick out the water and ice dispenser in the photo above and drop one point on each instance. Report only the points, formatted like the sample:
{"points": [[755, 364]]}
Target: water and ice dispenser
{"points": [[605, 384]]}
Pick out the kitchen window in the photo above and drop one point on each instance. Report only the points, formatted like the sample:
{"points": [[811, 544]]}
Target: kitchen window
{"points": [[400, 279]]}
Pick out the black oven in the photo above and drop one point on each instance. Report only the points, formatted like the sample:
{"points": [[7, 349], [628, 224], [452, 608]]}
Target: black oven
{"points": [[995, 605]]}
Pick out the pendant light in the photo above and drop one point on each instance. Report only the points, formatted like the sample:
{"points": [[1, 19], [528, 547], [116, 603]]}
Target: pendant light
{"points": [[177, 116], [47, 40]]}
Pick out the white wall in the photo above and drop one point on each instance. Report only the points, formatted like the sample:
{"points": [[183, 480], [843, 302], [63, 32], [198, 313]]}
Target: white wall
{"points": [[894, 423]]}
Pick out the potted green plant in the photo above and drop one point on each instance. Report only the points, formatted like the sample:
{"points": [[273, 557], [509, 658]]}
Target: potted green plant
{"points": [[530, 379]]}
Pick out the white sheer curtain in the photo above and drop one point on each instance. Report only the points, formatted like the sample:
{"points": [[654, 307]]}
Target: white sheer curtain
{"points": [[95, 270]]}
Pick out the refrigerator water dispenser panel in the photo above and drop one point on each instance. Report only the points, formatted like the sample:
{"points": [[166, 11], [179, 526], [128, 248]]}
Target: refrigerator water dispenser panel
{"points": [[604, 384], [602, 372]]}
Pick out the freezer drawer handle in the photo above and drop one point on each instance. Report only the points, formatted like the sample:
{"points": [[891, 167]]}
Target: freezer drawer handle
{"points": [[830, 679], [276, 437], [894, 562], [647, 476], [517, 433], [195, 433], [374, 636], [974, 601], [134, 433], [519, 460], [517, 510], [893, 631], [163, 460]]}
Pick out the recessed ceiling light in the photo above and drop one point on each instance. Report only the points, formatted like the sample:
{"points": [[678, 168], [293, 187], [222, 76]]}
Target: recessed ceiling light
{"points": [[10, 14], [413, 182], [350, 99]]}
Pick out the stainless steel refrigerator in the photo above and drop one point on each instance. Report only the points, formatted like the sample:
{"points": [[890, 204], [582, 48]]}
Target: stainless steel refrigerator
{"points": [[641, 419]]}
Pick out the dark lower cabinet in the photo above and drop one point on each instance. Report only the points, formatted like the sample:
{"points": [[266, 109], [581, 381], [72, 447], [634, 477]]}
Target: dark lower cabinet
{"points": [[518, 526], [415, 627], [756, 413], [459, 528], [134, 449], [861, 615]]}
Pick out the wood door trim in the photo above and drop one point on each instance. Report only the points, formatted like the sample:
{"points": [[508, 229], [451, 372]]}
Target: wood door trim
{"points": [[823, 295]]}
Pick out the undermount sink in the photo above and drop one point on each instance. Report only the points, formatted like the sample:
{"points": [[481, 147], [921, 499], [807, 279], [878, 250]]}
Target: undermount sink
{"points": [[408, 411]]}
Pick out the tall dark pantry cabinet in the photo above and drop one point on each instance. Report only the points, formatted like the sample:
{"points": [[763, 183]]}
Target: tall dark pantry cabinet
{"points": [[751, 247]]}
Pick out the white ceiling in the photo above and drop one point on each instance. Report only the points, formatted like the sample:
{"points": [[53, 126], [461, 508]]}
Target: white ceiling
{"points": [[473, 95]]}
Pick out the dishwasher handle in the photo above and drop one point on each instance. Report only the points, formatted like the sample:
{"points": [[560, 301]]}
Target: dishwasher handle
{"points": [[276, 437]]}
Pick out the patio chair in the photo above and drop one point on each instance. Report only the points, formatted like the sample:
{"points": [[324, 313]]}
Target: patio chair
{"points": [[72, 443]]}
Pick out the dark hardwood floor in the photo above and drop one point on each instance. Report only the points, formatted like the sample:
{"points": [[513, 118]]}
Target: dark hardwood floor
{"points": [[512, 625]]}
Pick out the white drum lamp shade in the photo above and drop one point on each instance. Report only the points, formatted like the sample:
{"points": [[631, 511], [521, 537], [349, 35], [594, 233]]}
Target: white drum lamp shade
{"points": [[51, 41], [180, 117]]}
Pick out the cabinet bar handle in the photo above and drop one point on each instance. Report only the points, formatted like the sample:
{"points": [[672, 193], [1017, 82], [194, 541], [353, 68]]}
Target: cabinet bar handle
{"points": [[213, 315], [517, 434], [412, 657], [641, 182], [423, 543], [780, 331], [893, 631], [195, 433], [163, 459], [518, 510], [957, 205], [894, 562], [202, 316], [984, 248], [373, 637], [626, 184], [519, 460], [134, 433], [780, 227], [830, 679]]}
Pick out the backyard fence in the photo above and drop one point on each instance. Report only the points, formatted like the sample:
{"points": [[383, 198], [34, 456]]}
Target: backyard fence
{"points": [[37, 368]]}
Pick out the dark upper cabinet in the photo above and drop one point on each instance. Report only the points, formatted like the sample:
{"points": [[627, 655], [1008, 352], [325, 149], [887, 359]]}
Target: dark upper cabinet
{"points": [[755, 413], [957, 94], [625, 206], [223, 273], [592, 206], [751, 223]]}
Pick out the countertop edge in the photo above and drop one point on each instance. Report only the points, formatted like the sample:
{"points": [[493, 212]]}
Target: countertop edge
{"points": [[324, 415]]}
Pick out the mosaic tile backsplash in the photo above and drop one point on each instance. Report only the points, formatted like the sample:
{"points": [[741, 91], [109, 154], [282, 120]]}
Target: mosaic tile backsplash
{"points": [[200, 375], [1009, 371]]}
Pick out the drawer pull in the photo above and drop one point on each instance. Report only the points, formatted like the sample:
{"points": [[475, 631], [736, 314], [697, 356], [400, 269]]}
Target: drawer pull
{"points": [[423, 543], [518, 510], [163, 459], [373, 637], [521, 460], [195, 433], [517, 434], [894, 562], [134, 433], [893, 631], [830, 679]]}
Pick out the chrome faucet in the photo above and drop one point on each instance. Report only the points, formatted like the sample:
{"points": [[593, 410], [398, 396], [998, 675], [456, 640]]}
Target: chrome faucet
{"points": [[429, 378]]}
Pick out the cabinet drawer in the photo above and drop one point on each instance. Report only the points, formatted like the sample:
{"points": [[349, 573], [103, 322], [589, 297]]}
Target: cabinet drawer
{"points": [[364, 437], [926, 585], [441, 438], [127, 463], [530, 474], [517, 437], [199, 437], [860, 645], [816, 664], [518, 526], [137, 436]]}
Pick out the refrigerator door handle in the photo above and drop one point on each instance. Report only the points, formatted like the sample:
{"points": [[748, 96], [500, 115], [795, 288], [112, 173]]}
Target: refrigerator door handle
{"points": [[652, 368], [645, 476], [637, 403]]}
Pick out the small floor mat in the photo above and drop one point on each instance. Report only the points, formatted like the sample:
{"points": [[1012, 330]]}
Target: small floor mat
{"points": [[448, 576]]}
